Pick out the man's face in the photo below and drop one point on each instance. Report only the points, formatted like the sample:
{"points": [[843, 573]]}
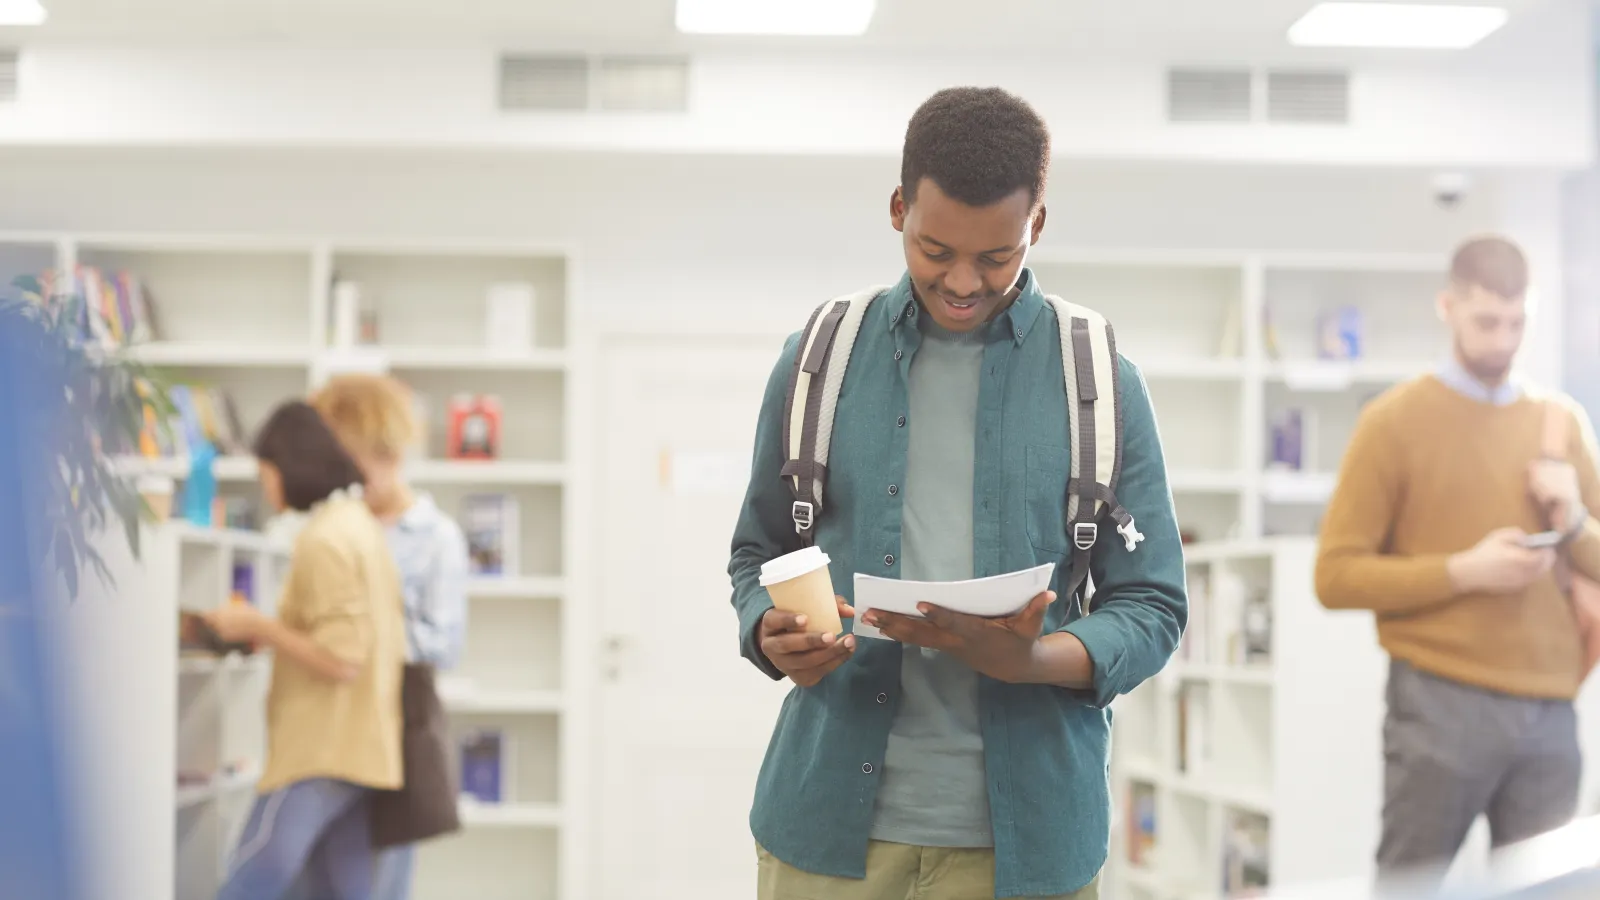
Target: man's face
{"points": [[964, 260], [1486, 328]]}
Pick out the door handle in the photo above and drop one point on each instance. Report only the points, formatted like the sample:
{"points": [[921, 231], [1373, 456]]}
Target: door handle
{"points": [[611, 657]]}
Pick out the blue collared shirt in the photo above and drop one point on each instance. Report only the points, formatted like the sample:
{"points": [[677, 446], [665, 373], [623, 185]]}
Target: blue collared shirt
{"points": [[1461, 381], [431, 552], [1045, 747]]}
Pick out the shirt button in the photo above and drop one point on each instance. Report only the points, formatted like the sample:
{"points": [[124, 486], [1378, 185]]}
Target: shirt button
{"points": [[900, 422], [897, 355], [1019, 334], [889, 560], [866, 768], [894, 489], [882, 699]]}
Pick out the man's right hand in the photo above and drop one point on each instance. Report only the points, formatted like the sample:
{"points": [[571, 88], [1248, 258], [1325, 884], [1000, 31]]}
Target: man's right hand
{"points": [[1499, 564], [805, 658]]}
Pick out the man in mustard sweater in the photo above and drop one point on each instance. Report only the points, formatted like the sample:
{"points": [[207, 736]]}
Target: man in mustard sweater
{"points": [[1443, 479]]}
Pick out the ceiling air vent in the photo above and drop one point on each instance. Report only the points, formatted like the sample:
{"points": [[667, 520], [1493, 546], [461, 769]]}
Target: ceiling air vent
{"points": [[642, 84], [1315, 98], [607, 83], [1208, 95], [8, 76], [544, 82]]}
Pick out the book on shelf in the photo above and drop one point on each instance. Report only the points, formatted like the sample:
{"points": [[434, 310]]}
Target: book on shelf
{"points": [[1243, 613], [244, 582], [1141, 823], [201, 413], [492, 524], [486, 767], [1246, 855], [1255, 631], [1340, 333], [116, 309], [474, 427], [508, 316], [1194, 737], [1293, 435], [353, 316]]}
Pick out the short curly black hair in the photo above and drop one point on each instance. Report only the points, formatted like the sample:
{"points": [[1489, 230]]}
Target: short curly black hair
{"points": [[979, 145]]}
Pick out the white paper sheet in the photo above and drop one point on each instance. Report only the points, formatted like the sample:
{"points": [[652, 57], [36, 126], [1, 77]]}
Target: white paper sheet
{"points": [[997, 595]]}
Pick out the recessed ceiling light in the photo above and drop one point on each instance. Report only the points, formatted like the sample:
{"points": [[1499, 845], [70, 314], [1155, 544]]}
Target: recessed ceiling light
{"points": [[21, 12], [1400, 25], [782, 17]]}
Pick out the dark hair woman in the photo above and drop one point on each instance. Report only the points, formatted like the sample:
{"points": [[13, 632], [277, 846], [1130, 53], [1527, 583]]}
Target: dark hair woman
{"points": [[333, 733]]}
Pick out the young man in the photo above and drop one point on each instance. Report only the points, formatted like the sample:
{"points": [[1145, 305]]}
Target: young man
{"points": [[966, 757], [1443, 479]]}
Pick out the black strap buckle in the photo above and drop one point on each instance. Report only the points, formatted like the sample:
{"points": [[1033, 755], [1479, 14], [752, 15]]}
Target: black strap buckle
{"points": [[1084, 534], [803, 514]]}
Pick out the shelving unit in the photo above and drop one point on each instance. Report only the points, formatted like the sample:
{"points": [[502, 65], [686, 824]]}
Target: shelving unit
{"points": [[252, 315], [219, 726], [1196, 323], [1218, 736]]}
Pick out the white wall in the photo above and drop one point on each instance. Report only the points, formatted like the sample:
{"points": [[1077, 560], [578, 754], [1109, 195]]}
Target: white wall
{"points": [[1525, 104]]}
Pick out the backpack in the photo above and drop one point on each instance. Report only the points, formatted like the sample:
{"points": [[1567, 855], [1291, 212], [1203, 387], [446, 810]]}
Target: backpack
{"points": [[1089, 372]]}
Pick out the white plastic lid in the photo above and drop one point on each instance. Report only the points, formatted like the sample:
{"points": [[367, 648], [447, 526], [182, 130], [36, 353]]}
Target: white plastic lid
{"points": [[793, 565]]}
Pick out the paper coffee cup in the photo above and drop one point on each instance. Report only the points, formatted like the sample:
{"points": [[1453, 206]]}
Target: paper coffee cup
{"points": [[800, 582]]}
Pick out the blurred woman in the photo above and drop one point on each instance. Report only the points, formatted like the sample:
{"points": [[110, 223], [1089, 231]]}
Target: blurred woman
{"points": [[333, 713], [372, 416]]}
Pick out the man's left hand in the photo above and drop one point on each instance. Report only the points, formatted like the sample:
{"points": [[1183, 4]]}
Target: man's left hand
{"points": [[1002, 648], [1554, 486]]}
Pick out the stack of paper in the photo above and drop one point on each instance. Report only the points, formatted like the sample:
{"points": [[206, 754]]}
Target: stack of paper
{"points": [[995, 596]]}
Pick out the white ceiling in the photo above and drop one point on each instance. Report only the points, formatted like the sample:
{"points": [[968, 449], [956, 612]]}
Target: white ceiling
{"points": [[1196, 29]]}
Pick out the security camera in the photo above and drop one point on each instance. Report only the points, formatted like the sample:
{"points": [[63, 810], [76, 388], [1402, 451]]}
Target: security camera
{"points": [[1450, 188]]}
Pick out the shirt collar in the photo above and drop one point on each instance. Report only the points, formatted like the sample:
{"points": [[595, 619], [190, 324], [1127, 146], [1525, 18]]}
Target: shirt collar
{"points": [[420, 514], [1017, 319], [1458, 379]]}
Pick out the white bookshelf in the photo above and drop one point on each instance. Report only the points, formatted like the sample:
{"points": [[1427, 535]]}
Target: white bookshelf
{"points": [[1195, 324], [1290, 740], [252, 315], [218, 725]]}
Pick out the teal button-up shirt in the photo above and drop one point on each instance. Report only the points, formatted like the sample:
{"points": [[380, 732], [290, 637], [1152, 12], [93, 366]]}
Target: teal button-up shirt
{"points": [[1045, 747]]}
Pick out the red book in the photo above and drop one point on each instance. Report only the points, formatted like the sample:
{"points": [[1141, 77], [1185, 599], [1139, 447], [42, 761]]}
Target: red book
{"points": [[474, 427]]}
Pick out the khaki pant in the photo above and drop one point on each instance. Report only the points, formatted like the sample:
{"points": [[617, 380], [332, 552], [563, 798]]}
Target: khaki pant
{"points": [[895, 872]]}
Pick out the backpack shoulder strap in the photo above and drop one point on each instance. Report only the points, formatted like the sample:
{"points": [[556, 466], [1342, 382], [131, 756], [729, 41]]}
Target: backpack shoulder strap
{"points": [[812, 398], [1094, 425]]}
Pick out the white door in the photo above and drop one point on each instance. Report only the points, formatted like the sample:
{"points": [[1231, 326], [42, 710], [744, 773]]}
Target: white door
{"points": [[684, 720]]}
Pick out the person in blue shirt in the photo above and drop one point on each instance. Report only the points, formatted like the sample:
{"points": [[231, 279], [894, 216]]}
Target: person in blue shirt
{"points": [[374, 418], [965, 757]]}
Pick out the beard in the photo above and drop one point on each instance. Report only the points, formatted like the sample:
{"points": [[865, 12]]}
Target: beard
{"points": [[1488, 368]]}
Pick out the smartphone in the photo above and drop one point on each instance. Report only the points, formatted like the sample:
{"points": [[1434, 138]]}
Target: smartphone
{"points": [[1542, 540]]}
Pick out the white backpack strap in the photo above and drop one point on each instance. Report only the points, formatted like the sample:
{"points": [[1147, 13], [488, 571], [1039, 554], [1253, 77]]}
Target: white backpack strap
{"points": [[813, 396], [1094, 426]]}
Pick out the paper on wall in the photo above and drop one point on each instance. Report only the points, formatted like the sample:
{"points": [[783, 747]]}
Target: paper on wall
{"points": [[997, 595]]}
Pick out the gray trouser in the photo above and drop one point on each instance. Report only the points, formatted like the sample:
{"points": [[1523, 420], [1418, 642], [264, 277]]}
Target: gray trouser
{"points": [[1454, 752]]}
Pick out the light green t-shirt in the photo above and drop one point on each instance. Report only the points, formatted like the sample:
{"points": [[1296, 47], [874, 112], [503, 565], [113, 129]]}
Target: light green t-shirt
{"points": [[934, 792]]}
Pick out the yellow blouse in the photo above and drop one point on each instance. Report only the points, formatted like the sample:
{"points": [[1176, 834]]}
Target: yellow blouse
{"points": [[343, 591]]}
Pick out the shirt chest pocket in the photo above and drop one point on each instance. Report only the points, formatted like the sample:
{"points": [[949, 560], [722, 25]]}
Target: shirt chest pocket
{"points": [[1045, 474]]}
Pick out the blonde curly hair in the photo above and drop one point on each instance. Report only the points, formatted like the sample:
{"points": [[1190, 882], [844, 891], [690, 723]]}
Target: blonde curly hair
{"points": [[372, 414]]}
